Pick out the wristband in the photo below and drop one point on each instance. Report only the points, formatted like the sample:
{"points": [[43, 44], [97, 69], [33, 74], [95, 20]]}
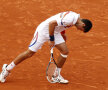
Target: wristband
{"points": [[51, 38]]}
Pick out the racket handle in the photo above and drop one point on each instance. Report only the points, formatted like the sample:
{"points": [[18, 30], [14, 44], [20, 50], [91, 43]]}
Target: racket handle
{"points": [[51, 50]]}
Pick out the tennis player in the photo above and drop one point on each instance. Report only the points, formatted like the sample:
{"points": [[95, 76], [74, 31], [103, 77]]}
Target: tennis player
{"points": [[52, 30]]}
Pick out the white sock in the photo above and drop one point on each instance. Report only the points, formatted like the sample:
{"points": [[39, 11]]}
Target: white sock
{"points": [[10, 66], [59, 70]]}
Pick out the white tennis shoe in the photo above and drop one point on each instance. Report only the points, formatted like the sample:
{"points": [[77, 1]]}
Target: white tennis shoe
{"points": [[4, 73], [60, 79]]}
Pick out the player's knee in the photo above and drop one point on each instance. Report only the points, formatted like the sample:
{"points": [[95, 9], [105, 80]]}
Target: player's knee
{"points": [[66, 52], [29, 53]]}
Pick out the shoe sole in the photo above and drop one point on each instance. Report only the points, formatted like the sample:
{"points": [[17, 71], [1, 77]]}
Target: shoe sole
{"points": [[63, 83]]}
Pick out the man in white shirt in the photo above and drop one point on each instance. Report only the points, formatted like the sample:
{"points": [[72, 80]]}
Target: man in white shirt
{"points": [[52, 30]]}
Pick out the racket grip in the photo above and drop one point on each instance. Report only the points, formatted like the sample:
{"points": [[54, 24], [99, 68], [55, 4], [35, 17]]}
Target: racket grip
{"points": [[51, 50]]}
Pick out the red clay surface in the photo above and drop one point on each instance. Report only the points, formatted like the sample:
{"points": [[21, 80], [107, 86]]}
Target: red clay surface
{"points": [[87, 65]]}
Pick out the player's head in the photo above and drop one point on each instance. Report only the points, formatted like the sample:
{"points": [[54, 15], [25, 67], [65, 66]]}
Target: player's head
{"points": [[87, 26], [84, 25]]}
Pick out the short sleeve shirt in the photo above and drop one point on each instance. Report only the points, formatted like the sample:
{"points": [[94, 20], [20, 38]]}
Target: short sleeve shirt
{"points": [[67, 18], [64, 21]]}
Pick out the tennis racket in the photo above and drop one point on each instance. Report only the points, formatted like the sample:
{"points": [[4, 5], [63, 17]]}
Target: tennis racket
{"points": [[51, 68]]}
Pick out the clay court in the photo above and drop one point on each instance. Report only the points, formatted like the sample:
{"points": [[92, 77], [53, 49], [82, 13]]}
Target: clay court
{"points": [[87, 65]]}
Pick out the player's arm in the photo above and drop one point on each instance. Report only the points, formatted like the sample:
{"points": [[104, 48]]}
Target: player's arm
{"points": [[52, 26], [64, 35]]}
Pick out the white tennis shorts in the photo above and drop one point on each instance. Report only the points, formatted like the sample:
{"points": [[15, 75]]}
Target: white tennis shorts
{"points": [[39, 39]]}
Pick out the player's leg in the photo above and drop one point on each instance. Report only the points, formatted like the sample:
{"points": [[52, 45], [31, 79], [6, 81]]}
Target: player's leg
{"points": [[63, 54], [21, 57], [7, 68], [33, 47], [60, 62], [35, 44], [62, 47]]}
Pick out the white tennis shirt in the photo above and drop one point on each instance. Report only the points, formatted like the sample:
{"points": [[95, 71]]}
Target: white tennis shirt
{"points": [[41, 35], [64, 21]]}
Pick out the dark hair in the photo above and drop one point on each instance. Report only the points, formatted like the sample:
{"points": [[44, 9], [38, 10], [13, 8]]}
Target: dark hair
{"points": [[88, 25]]}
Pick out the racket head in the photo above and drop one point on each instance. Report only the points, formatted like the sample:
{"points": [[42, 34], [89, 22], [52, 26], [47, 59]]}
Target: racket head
{"points": [[50, 71]]}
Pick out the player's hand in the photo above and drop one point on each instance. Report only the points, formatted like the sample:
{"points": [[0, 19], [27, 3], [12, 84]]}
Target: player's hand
{"points": [[51, 44]]}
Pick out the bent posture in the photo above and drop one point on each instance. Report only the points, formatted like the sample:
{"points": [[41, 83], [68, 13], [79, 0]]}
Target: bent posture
{"points": [[52, 30]]}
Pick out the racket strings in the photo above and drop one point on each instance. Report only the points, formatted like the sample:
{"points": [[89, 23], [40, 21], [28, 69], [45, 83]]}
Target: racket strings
{"points": [[51, 72]]}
